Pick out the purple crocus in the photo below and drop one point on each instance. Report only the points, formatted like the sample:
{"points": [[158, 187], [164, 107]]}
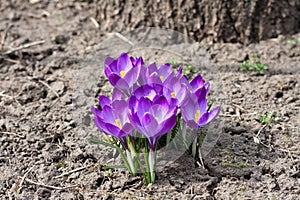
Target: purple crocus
{"points": [[194, 111], [152, 118], [150, 91], [195, 85], [113, 118], [174, 90], [155, 75], [123, 73]]}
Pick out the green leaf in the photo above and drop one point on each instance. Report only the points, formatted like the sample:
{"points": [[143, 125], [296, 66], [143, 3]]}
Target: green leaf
{"points": [[97, 141]]}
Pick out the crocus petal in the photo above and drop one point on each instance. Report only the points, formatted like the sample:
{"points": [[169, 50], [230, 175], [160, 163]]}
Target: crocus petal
{"points": [[201, 93], [101, 125], [207, 86], [146, 120], [113, 66], [132, 103], [159, 111], [131, 76], [117, 95], [203, 120], [151, 69], [142, 79], [108, 114], [108, 60], [167, 125], [107, 71], [144, 105], [118, 82], [192, 124], [202, 106], [143, 91], [124, 63], [127, 128], [120, 109], [179, 72], [150, 125], [134, 119], [114, 130], [114, 79], [213, 114], [161, 100], [184, 80], [197, 82], [165, 71], [119, 106], [104, 101], [188, 110], [139, 62], [95, 111], [154, 79]]}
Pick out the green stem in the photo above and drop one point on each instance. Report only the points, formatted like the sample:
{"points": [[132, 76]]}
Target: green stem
{"points": [[134, 156], [130, 162], [152, 164], [194, 146], [147, 172], [124, 158]]}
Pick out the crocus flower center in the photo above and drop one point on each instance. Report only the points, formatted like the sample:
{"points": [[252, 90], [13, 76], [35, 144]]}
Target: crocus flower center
{"points": [[173, 95], [156, 118], [122, 73], [148, 97], [118, 123], [197, 116], [161, 78]]}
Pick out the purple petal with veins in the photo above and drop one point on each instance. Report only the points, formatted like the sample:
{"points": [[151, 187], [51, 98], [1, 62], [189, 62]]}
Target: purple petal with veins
{"points": [[124, 63], [104, 101]]}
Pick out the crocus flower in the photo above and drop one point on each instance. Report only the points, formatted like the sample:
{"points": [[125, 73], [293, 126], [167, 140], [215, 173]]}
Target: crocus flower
{"points": [[196, 85], [174, 90], [152, 118], [123, 73], [113, 119], [194, 111], [157, 75], [105, 101], [152, 92]]}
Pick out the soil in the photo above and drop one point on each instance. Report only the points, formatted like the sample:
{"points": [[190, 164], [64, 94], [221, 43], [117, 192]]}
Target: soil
{"points": [[48, 86]]}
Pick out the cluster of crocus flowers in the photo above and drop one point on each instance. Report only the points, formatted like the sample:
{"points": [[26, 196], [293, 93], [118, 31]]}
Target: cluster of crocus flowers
{"points": [[146, 102]]}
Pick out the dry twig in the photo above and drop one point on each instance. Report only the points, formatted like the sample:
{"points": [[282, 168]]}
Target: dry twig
{"points": [[122, 37], [11, 133], [50, 88], [24, 47], [4, 37], [22, 180], [49, 186], [7, 96], [94, 21], [74, 170]]}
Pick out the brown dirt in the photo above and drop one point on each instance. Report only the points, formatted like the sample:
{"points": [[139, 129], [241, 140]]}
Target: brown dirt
{"points": [[41, 138]]}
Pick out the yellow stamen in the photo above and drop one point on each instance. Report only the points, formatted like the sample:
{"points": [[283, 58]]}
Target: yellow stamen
{"points": [[173, 95], [118, 123], [161, 78], [156, 118], [191, 91], [197, 116], [149, 98], [122, 73]]}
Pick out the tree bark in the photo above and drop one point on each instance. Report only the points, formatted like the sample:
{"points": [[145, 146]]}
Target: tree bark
{"points": [[241, 21]]}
